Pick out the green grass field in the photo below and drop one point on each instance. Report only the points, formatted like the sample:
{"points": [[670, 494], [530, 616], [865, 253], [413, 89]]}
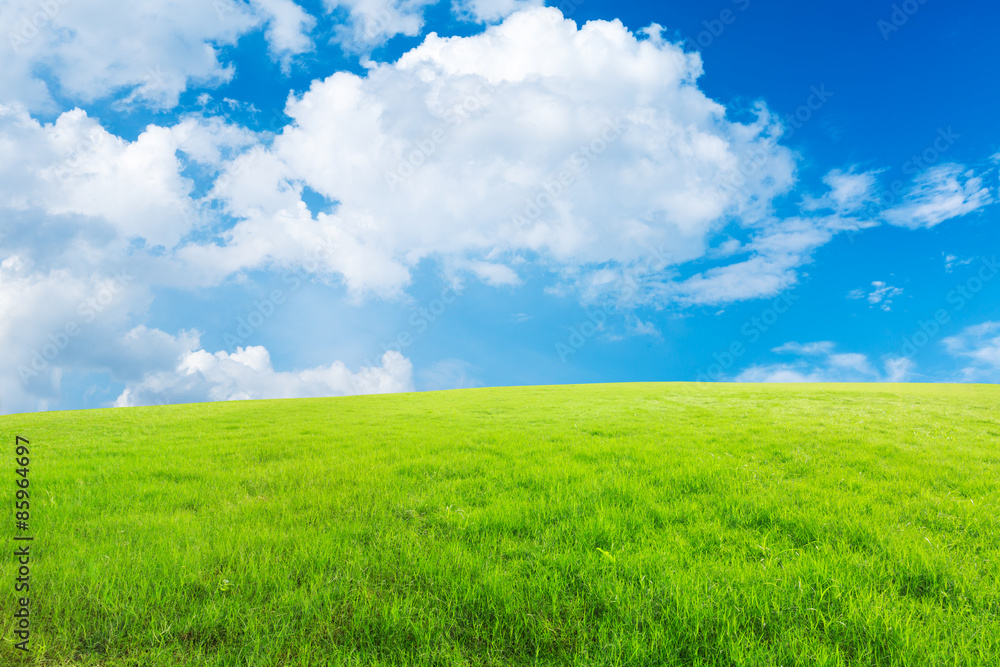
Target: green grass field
{"points": [[635, 524]]}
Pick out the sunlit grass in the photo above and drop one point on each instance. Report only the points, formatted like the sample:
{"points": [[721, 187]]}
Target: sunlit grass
{"points": [[639, 524]]}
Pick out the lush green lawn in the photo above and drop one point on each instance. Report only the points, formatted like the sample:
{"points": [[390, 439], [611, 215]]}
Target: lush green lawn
{"points": [[638, 524]]}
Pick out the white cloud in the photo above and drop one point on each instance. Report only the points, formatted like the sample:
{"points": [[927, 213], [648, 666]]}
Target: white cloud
{"points": [[759, 276], [370, 23], [637, 327], [850, 192], [981, 345], [576, 149], [779, 249], [53, 321], [152, 49], [882, 294], [492, 274], [455, 152], [147, 52], [74, 167], [247, 374], [824, 348], [779, 373], [448, 374], [820, 363], [851, 363], [288, 28], [898, 369], [940, 193], [488, 11], [951, 261]]}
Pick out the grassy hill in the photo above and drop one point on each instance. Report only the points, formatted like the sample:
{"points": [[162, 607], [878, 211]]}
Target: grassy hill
{"points": [[635, 524]]}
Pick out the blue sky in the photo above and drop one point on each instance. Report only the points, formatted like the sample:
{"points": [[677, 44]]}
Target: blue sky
{"points": [[212, 201]]}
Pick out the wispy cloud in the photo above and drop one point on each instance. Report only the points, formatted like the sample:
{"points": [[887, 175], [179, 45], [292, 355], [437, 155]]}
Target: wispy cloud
{"points": [[819, 362], [951, 261], [940, 193], [881, 295], [980, 346], [248, 374]]}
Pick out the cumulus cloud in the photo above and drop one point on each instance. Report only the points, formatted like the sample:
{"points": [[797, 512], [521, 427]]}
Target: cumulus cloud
{"points": [[74, 169], [584, 151], [148, 52], [366, 24], [86, 218], [90, 224], [152, 49], [537, 138], [980, 345], [287, 28], [488, 11], [938, 194], [819, 362], [53, 321], [247, 373], [881, 295]]}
